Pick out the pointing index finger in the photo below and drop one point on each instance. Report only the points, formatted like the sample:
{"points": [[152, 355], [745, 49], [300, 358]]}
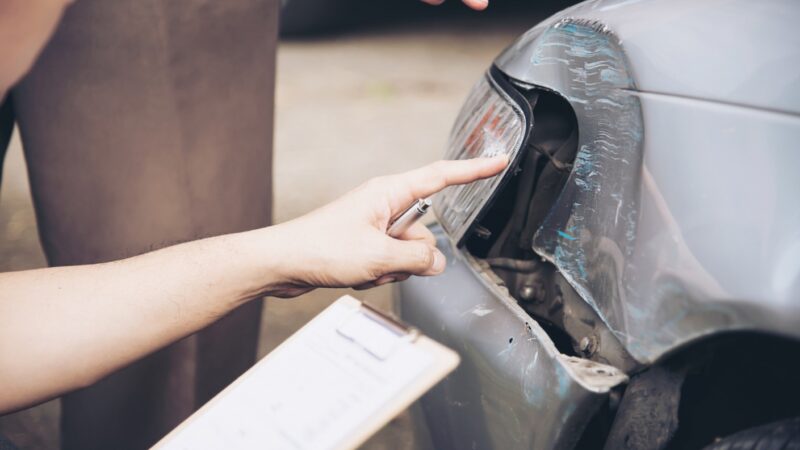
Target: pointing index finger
{"points": [[430, 179]]}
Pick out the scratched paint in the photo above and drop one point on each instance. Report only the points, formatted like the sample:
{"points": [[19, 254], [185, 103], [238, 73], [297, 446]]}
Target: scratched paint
{"points": [[481, 310], [593, 236], [619, 240], [566, 236], [591, 230]]}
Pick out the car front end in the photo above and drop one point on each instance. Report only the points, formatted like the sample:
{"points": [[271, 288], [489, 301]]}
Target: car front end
{"points": [[649, 213]]}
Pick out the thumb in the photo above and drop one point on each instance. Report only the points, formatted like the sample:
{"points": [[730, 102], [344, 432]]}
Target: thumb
{"points": [[414, 257]]}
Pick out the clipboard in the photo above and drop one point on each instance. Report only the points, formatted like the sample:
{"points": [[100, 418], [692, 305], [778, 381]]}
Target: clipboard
{"points": [[331, 385]]}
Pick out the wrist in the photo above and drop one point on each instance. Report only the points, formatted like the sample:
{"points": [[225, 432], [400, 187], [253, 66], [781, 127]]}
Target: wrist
{"points": [[267, 262]]}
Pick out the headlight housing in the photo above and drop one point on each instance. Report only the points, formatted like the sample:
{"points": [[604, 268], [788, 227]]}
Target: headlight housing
{"points": [[495, 119]]}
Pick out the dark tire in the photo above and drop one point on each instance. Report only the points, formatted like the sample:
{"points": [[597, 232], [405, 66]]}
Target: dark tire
{"points": [[783, 435]]}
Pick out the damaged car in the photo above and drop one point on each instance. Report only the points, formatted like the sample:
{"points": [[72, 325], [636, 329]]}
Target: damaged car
{"points": [[632, 280]]}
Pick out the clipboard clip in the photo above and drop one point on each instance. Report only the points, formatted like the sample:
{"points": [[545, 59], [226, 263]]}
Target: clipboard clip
{"points": [[375, 332]]}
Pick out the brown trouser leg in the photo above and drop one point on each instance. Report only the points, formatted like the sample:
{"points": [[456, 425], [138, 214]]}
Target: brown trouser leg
{"points": [[146, 123]]}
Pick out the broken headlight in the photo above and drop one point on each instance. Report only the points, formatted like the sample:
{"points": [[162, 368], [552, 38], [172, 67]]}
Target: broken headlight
{"points": [[494, 120]]}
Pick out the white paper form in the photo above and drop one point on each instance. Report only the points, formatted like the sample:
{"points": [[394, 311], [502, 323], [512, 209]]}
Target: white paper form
{"points": [[314, 391]]}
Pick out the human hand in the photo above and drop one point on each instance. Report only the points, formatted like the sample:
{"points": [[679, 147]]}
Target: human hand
{"points": [[344, 243], [474, 4]]}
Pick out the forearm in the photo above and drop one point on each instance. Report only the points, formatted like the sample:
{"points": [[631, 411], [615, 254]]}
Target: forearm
{"points": [[64, 328]]}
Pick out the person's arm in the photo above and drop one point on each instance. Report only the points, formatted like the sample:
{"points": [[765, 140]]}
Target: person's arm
{"points": [[64, 328]]}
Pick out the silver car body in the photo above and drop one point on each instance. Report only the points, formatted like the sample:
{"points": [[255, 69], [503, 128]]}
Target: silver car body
{"points": [[680, 220]]}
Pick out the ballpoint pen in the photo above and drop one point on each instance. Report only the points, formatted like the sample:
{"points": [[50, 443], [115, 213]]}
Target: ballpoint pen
{"points": [[408, 217]]}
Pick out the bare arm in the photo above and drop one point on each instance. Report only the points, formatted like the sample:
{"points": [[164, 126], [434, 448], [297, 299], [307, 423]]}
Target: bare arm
{"points": [[64, 328]]}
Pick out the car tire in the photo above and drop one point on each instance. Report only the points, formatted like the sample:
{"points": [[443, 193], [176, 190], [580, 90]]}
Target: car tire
{"points": [[783, 435]]}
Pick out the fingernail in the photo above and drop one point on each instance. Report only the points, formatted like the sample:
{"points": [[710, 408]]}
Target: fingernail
{"points": [[386, 279], [439, 262]]}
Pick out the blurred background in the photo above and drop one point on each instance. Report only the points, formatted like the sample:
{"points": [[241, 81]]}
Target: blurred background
{"points": [[364, 88]]}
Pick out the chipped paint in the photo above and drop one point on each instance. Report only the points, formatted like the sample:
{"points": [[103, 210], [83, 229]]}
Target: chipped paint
{"points": [[480, 310]]}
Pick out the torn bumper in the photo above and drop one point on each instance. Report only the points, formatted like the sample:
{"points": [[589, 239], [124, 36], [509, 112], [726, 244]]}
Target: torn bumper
{"points": [[513, 388]]}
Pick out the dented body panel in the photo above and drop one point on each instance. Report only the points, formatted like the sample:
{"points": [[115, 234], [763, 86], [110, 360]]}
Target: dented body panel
{"points": [[513, 389], [680, 218], [735, 52]]}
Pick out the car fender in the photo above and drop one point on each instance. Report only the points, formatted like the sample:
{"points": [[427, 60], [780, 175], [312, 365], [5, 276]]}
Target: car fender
{"points": [[680, 219]]}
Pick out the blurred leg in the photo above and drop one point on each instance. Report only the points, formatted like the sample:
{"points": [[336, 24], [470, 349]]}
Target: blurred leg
{"points": [[145, 123]]}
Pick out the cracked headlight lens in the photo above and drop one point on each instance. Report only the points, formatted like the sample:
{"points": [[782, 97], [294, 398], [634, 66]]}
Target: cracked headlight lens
{"points": [[494, 120]]}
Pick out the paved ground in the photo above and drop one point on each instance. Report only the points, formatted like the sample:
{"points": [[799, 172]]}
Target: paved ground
{"points": [[374, 100]]}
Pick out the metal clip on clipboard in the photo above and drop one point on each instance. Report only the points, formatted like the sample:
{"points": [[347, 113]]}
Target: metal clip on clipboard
{"points": [[331, 385], [361, 328]]}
